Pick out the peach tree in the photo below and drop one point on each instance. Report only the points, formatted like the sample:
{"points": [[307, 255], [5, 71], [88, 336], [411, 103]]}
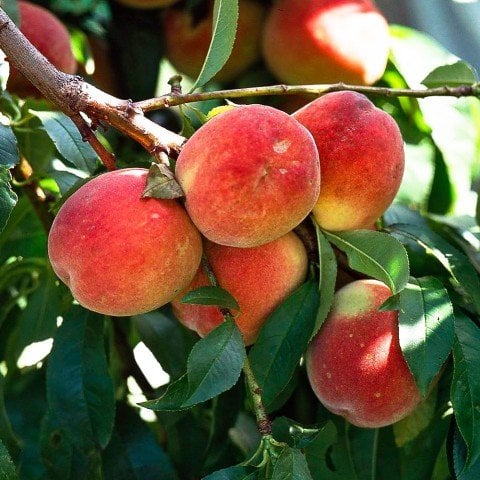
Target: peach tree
{"points": [[201, 279]]}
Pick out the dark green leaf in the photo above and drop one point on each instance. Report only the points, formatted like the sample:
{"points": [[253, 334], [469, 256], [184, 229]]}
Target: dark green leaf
{"points": [[375, 254], [79, 387], [67, 139], [292, 433], [363, 443], [7, 436], [237, 472], [11, 9], [224, 27], [282, 341], [327, 278], [214, 366], [161, 183], [133, 452], [167, 339], [8, 197], [459, 458], [465, 392], [426, 328], [210, 295], [7, 468], [453, 75], [291, 465], [9, 156], [454, 261]]}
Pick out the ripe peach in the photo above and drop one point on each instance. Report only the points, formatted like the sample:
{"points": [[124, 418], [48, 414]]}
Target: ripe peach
{"points": [[146, 4], [259, 278], [187, 40], [250, 175], [121, 254], [326, 41], [355, 364], [362, 159], [48, 34]]}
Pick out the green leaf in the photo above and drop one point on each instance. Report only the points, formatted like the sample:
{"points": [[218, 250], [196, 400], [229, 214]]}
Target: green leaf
{"points": [[459, 458], [453, 75], [8, 198], [210, 295], [79, 387], [426, 328], [7, 468], [454, 261], [326, 280], [291, 465], [292, 433], [11, 9], [68, 140], [282, 341], [238, 472], [375, 254], [161, 183], [213, 366], [224, 27], [465, 389], [9, 155], [133, 452], [7, 435]]}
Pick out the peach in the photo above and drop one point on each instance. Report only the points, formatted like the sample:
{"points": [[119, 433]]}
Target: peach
{"points": [[362, 159], [121, 254], [146, 4], [355, 365], [48, 34], [259, 278], [326, 41], [187, 40], [250, 175]]}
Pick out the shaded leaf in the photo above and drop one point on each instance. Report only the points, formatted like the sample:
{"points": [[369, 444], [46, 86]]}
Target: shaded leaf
{"points": [[213, 366], [291, 465], [211, 295], [465, 389], [224, 27], [459, 455], [426, 328], [133, 452], [9, 155], [454, 261], [7, 468], [327, 278], [161, 183], [67, 139], [282, 340], [453, 75], [292, 433], [238, 472], [375, 254]]}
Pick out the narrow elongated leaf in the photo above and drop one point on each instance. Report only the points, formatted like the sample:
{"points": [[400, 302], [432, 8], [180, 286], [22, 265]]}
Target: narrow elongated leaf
{"points": [[291, 465], [459, 457], [7, 436], [454, 261], [224, 27], [7, 468], [375, 254], [282, 341], [453, 75], [68, 140], [213, 366], [9, 156], [210, 295], [426, 328], [327, 278], [8, 197], [133, 452], [465, 389], [79, 387]]}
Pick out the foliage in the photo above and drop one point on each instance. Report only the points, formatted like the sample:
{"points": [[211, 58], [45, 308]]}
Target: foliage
{"points": [[72, 411]]}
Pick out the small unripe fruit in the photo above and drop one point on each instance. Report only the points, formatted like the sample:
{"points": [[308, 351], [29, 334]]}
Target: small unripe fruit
{"points": [[121, 254], [355, 364], [187, 40], [361, 157], [326, 41], [250, 175], [50, 37], [259, 278]]}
